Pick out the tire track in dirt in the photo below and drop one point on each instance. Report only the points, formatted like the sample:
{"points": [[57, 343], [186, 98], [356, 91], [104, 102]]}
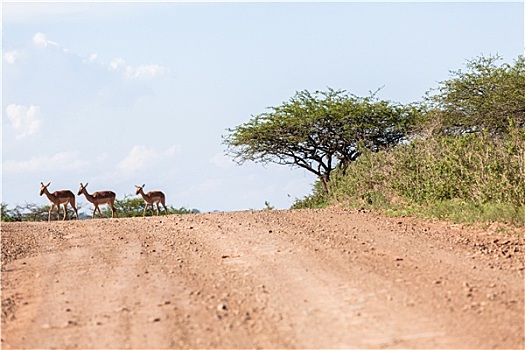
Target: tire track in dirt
{"points": [[314, 301], [90, 293], [425, 266], [276, 279]]}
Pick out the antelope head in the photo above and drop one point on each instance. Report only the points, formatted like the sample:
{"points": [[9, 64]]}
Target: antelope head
{"points": [[81, 188], [43, 187], [139, 188]]}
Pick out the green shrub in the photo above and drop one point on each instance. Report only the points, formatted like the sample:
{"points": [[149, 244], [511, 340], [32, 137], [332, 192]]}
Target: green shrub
{"points": [[462, 178], [318, 199]]}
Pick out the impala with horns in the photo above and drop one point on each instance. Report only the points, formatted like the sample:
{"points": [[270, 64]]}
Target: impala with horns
{"points": [[99, 198], [152, 197], [58, 198]]}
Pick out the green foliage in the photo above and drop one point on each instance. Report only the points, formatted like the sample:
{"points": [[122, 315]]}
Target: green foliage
{"points": [[318, 199], [134, 207], [182, 210], [6, 214], [320, 131], [486, 97], [33, 212], [465, 160], [127, 207], [267, 206], [478, 168], [469, 212], [449, 176]]}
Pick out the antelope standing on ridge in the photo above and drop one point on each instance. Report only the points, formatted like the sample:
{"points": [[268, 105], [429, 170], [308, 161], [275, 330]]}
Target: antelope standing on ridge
{"points": [[62, 197], [152, 197], [99, 198]]}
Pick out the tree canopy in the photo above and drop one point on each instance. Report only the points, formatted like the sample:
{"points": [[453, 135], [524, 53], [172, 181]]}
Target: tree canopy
{"points": [[486, 97], [320, 131]]}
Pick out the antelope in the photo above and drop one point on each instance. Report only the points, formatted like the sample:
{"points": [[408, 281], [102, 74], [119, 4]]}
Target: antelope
{"points": [[99, 198], [57, 198], [152, 197]]}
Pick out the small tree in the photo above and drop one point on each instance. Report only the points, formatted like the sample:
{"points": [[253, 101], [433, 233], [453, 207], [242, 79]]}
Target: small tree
{"points": [[320, 131], [35, 212], [6, 214], [127, 207], [486, 97]]}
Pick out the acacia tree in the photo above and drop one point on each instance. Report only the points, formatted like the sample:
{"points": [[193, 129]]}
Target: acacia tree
{"points": [[320, 131], [486, 97]]}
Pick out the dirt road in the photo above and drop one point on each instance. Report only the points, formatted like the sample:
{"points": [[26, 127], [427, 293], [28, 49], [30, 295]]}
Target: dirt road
{"points": [[272, 279]]}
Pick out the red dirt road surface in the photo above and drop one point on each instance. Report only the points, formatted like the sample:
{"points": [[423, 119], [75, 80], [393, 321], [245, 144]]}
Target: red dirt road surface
{"points": [[327, 278]]}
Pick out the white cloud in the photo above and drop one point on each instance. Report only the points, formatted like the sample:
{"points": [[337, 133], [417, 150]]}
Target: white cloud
{"points": [[41, 40], [93, 57], [117, 63], [137, 158], [141, 157], [12, 56], [145, 72], [24, 120], [142, 72], [58, 162]]}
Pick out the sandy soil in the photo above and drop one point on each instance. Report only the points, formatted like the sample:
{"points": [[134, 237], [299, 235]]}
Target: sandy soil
{"points": [[261, 279]]}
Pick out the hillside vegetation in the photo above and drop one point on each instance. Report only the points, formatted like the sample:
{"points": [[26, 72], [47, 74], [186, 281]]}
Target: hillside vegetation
{"points": [[465, 160], [462, 178]]}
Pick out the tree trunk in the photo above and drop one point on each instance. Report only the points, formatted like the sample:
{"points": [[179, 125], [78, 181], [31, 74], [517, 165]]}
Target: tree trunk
{"points": [[325, 179]]}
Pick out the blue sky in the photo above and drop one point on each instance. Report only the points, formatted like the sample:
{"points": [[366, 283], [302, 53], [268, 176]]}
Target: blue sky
{"points": [[118, 94]]}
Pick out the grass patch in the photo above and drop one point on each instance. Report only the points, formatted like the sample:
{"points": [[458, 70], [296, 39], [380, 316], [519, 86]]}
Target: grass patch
{"points": [[456, 211], [469, 212]]}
